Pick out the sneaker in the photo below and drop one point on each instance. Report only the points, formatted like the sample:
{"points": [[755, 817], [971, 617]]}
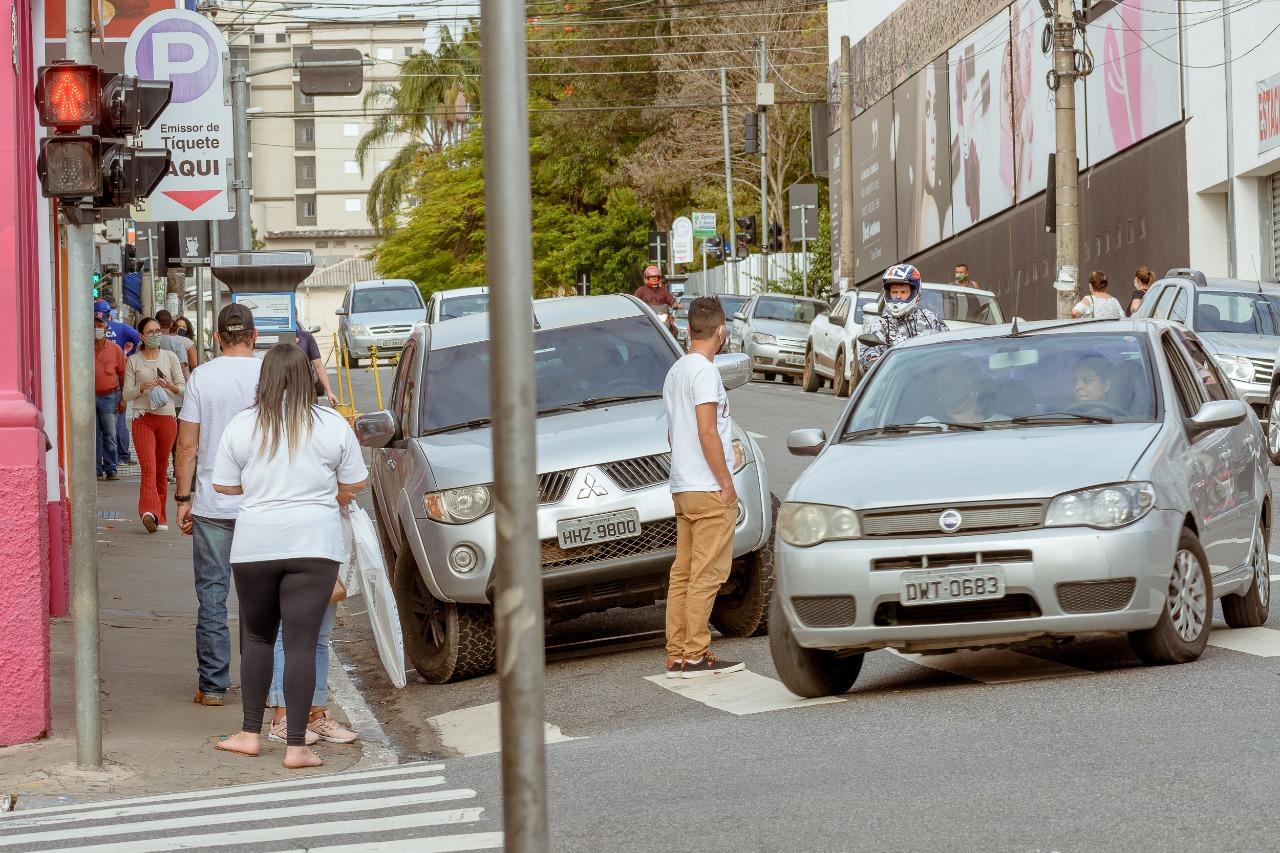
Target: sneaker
{"points": [[673, 666], [112, 476], [280, 733], [162, 527], [709, 665], [149, 522], [329, 729], [211, 699]]}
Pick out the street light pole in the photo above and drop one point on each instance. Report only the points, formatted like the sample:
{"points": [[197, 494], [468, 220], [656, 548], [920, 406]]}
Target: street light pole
{"points": [[518, 585], [762, 227], [731, 257], [1067, 209], [846, 161]]}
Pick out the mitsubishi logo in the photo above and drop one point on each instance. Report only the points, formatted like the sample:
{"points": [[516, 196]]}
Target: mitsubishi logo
{"points": [[591, 487]]}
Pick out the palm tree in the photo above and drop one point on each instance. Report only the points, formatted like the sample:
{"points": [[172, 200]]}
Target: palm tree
{"points": [[428, 107]]}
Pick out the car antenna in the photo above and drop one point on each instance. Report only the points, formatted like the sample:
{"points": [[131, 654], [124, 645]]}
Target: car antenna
{"points": [[1254, 260], [1015, 331]]}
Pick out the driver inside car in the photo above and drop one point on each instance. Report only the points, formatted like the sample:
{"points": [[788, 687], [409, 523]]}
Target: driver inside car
{"points": [[1092, 379]]}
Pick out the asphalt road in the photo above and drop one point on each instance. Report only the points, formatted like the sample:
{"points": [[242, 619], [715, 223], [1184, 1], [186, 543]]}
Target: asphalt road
{"points": [[1072, 748]]}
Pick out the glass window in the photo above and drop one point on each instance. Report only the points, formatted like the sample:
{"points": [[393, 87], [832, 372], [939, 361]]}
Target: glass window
{"points": [[1184, 384], [842, 308], [351, 167], [732, 304], [1214, 383], [1178, 313], [386, 299], [1161, 301], [462, 306], [402, 392], [962, 307], [788, 310], [352, 205], [385, 53], [351, 129], [864, 298], [1238, 313]]}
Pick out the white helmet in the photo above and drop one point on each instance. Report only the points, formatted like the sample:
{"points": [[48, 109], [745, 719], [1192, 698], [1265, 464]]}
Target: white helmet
{"points": [[902, 274]]}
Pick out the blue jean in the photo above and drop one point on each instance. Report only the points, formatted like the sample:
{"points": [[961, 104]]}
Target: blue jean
{"points": [[106, 432], [211, 554], [321, 696], [122, 437]]}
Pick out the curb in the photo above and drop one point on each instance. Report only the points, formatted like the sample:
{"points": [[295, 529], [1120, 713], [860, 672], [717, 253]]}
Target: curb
{"points": [[375, 747]]}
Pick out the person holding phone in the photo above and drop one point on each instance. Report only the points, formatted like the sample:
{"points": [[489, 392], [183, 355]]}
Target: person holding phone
{"points": [[153, 378]]}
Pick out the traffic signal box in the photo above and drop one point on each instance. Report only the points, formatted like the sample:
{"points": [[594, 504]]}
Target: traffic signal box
{"points": [[101, 168]]}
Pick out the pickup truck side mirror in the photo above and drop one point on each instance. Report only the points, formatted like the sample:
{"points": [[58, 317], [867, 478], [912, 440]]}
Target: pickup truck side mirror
{"points": [[341, 312], [871, 308], [870, 341], [376, 429]]}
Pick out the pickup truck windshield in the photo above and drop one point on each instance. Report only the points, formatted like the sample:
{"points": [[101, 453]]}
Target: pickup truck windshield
{"points": [[462, 306]]}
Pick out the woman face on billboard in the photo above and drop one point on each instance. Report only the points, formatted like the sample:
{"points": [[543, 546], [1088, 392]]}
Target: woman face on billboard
{"points": [[930, 130]]}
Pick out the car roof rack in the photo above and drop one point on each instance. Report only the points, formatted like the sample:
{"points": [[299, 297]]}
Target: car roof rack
{"points": [[1187, 272]]}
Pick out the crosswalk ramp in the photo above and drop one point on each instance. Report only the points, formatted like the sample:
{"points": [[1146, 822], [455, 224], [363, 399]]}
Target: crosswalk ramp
{"points": [[409, 807]]}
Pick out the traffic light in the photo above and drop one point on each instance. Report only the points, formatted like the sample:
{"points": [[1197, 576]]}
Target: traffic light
{"points": [[715, 247], [751, 133], [746, 230], [775, 237]]}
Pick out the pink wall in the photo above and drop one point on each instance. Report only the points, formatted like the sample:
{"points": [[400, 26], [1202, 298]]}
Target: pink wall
{"points": [[24, 525]]}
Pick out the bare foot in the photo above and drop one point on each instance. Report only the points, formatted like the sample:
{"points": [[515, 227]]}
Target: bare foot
{"points": [[241, 743], [296, 757]]}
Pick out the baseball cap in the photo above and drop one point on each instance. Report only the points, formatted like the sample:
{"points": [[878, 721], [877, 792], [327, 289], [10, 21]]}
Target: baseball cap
{"points": [[101, 308], [235, 318]]}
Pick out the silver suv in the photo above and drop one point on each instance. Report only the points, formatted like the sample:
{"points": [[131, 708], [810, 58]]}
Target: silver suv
{"points": [[605, 516], [378, 313]]}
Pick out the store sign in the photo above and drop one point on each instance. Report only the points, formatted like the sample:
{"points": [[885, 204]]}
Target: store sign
{"points": [[682, 240], [1269, 114], [704, 225]]}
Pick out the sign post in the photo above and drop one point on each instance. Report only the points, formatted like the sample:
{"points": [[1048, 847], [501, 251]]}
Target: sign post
{"points": [[803, 201], [682, 240]]}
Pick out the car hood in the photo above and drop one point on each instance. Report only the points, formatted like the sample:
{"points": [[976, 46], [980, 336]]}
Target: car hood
{"points": [[390, 318], [781, 328], [1249, 346], [569, 440], [962, 467]]}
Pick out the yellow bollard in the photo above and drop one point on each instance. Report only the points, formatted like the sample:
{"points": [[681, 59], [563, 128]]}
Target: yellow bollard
{"points": [[377, 381], [347, 407]]}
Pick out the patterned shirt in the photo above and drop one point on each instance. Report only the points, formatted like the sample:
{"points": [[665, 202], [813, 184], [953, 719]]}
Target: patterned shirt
{"points": [[895, 330]]}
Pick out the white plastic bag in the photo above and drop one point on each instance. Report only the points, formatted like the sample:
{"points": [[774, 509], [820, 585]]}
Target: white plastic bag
{"points": [[347, 568], [380, 602]]}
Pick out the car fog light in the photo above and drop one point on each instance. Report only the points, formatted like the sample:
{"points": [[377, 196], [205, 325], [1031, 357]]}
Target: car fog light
{"points": [[463, 559]]}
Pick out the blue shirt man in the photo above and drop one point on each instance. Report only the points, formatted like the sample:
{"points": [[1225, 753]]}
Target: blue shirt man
{"points": [[127, 338]]}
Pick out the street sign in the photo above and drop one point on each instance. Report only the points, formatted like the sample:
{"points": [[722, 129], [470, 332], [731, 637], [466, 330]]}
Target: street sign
{"points": [[658, 248], [704, 225], [346, 79], [682, 240], [803, 201], [187, 49], [583, 281], [192, 247]]}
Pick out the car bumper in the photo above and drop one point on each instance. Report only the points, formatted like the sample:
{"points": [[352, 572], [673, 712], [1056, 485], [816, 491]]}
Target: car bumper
{"points": [[1143, 551], [785, 358], [359, 345]]}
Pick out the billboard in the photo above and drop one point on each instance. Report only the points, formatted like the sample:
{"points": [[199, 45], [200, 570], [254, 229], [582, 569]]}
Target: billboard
{"points": [[875, 222], [119, 17], [922, 158], [981, 124]]}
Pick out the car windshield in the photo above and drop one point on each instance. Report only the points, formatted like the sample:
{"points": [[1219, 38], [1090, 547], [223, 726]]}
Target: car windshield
{"points": [[576, 364], [1009, 382], [462, 306], [682, 310], [961, 307], [1238, 313], [788, 310], [731, 304], [376, 299]]}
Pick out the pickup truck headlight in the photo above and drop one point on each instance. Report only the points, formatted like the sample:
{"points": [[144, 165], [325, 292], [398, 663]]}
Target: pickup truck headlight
{"points": [[1105, 507], [804, 525], [762, 338], [359, 329], [1237, 368], [459, 506], [739, 455]]}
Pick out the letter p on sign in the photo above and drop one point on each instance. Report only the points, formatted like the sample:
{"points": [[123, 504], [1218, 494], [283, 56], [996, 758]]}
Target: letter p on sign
{"points": [[178, 53]]}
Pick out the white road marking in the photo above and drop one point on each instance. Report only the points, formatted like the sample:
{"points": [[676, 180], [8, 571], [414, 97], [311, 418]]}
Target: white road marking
{"points": [[1263, 642], [995, 666], [475, 731], [437, 844], [739, 693]]}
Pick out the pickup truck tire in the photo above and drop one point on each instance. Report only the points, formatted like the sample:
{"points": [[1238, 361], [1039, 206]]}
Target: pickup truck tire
{"points": [[445, 641], [1180, 642], [810, 381], [839, 384], [810, 673], [744, 612]]}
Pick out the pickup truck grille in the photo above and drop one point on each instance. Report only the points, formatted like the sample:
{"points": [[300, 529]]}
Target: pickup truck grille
{"points": [[654, 536], [1263, 368], [639, 473], [553, 485]]}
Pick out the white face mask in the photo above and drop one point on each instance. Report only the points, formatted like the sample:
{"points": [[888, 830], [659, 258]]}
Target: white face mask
{"points": [[99, 333]]}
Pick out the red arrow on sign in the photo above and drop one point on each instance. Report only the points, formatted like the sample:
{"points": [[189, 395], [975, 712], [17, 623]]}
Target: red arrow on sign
{"points": [[191, 199]]}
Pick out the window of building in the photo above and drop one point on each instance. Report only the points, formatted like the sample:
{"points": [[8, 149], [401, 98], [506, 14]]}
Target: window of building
{"points": [[259, 38], [351, 129], [410, 50], [351, 167], [382, 164], [353, 205], [322, 244], [281, 38], [306, 210], [306, 172], [340, 244], [304, 133], [385, 53]]}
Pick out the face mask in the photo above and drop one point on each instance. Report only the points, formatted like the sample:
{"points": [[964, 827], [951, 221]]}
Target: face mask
{"points": [[153, 341], [961, 277], [99, 333]]}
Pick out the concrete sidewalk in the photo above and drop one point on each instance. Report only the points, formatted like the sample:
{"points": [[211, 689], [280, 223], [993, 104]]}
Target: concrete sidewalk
{"points": [[155, 738]]}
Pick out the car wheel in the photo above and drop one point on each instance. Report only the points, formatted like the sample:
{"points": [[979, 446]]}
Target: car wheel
{"points": [[810, 381], [349, 360], [809, 673], [444, 641], [1273, 426], [744, 611], [1250, 609], [1183, 630], [839, 384]]}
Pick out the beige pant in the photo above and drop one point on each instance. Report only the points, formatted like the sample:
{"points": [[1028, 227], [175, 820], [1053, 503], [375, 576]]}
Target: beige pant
{"points": [[704, 556]]}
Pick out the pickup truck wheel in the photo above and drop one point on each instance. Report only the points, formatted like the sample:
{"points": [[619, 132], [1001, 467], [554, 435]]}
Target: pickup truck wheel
{"points": [[810, 381], [1183, 630], [839, 384], [744, 612], [444, 641], [1251, 608], [809, 673]]}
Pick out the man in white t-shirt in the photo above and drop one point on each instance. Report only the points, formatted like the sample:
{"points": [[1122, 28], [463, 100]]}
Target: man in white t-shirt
{"points": [[702, 488], [216, 392]]}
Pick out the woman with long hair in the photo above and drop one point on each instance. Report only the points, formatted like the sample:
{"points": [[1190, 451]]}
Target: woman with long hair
{"points": [[182, 326], [153, 378], [296, 464]]}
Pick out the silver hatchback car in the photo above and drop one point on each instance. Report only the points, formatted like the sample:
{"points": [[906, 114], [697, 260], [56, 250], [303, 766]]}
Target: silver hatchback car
{"points": [[606, 521], [1000, 485]]}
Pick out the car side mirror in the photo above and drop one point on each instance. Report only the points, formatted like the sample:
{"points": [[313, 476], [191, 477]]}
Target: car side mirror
{"points": [[735, 369], [313, 329], [740, 316], [376, 429], [870, 340], [341, 312], [872, 308], [806, 442], [836, 320], [1218, 414]]}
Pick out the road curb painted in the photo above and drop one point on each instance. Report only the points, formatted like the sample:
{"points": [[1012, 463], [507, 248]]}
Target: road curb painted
{"points": [[375, 747]]}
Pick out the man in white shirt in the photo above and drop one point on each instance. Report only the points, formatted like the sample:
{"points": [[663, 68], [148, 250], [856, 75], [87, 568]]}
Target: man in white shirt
{"points": [[216, 392], [702, 488]]}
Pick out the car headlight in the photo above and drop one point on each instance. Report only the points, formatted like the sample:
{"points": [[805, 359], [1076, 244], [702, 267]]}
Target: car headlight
{"points": [[762, 338], [1237, 368], [359, 329], [739, 455], [803, 525], [459, 506], [1107, 507]]}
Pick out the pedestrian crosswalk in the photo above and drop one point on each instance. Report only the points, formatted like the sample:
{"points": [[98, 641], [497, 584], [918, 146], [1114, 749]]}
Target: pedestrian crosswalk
{"points": [[407, 807]]}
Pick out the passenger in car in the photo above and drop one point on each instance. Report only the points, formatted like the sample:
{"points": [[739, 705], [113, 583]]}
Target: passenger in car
{"points": [[1092, 379]]}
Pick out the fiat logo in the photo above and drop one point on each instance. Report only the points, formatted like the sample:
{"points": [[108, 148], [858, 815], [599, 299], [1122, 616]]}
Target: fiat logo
{"points": [[950, 520]]}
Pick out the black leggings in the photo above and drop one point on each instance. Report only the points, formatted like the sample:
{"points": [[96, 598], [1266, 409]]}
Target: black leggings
{"points": [[296, 593]]}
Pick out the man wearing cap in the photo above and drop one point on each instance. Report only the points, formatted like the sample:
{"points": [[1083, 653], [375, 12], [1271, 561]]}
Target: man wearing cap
{"points": [[656, 295], [127, 338], [216, 392]]}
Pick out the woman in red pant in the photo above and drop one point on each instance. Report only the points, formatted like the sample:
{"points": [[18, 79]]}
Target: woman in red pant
{"points": [[152, 380]]}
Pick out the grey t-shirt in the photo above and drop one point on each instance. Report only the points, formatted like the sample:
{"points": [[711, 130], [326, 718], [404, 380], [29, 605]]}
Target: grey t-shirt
{"points": [[180, 347]]}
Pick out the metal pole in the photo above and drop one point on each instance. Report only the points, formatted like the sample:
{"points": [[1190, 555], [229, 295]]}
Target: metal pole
{"points": [[240, 143], [762, 227], [84, 534], [804, 246], [518, 586], [198, 275], [1068, 208], [216, 288], [846, 161], [1231, 142], [732, 256]]}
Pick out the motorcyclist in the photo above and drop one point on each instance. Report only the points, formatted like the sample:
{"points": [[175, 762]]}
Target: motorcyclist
{"points": [[902, 317], [656, 295]]}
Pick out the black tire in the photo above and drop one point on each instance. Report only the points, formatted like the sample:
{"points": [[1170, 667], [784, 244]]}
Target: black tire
{"points": [[809, 673], [1250, 609], [744, 612], [462, 644], [1163, 644], [810, 380], [1273, 426], [839, 384]]}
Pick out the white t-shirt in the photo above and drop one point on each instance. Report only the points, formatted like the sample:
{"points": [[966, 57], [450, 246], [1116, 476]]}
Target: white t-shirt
{"points": [[216, 392], [290, 506], [1100, 308], [692, 381]]}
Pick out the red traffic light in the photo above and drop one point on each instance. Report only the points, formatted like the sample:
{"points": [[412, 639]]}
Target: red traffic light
{"points": [[67, 96]]}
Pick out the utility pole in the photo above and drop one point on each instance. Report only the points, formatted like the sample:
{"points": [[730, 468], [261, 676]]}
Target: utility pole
{"points": [[1231, 141], [518, 587], [762, 227], [731, 257], [1067, 213], [846, 160]]}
